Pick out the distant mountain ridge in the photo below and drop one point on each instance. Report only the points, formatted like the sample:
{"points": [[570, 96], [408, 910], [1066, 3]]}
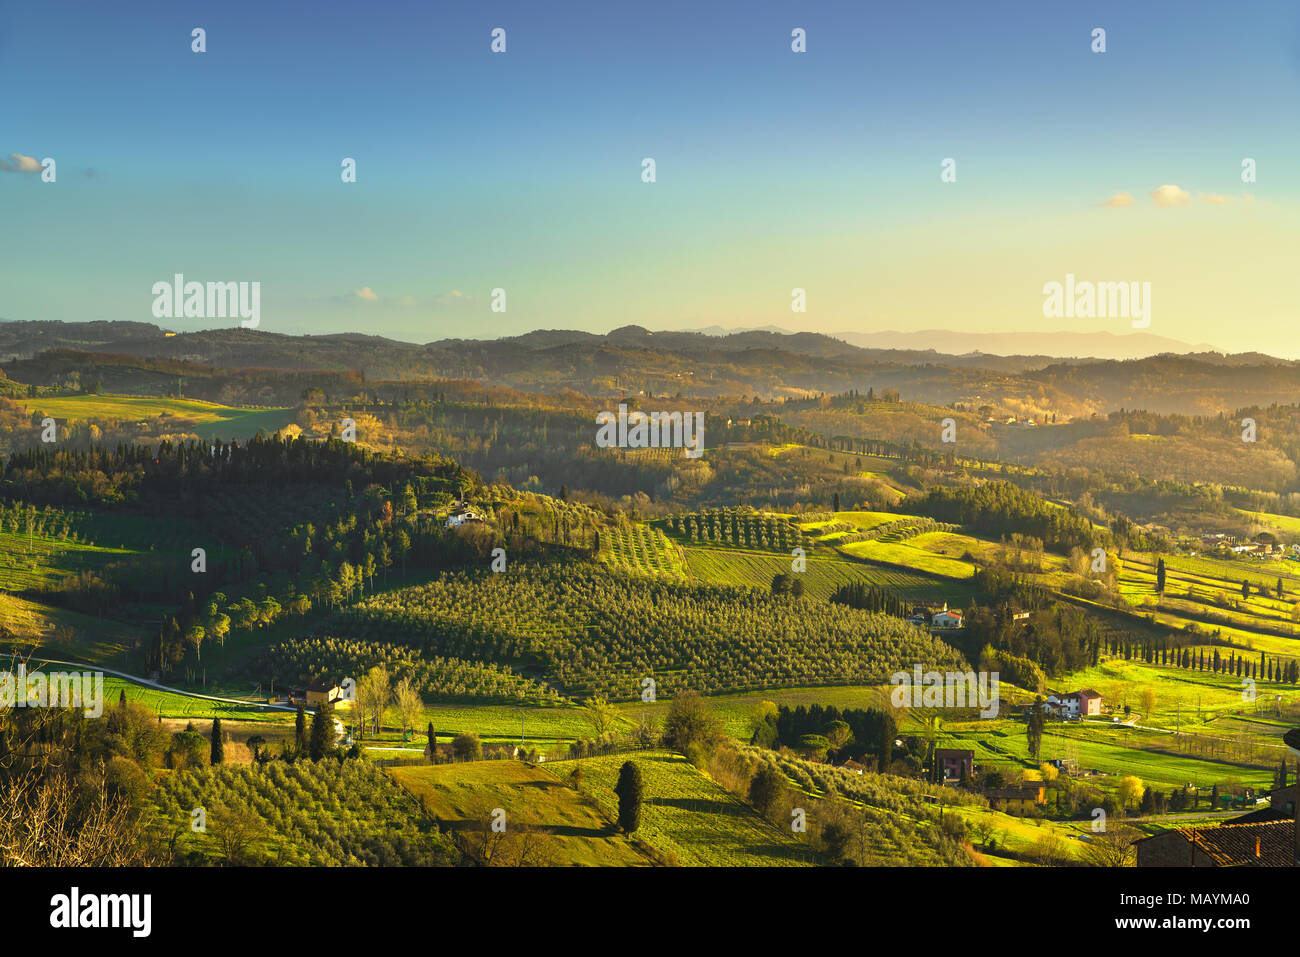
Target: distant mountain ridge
{"points": [[632, 360], [23, 338], [1061, 345]]}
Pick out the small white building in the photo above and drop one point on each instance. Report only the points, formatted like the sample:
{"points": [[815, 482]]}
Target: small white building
{"points": [[947, 619], [462, 514]]}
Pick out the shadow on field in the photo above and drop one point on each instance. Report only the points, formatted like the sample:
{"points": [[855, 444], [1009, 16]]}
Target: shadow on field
{"points": [[695, 805], [568, 830]]}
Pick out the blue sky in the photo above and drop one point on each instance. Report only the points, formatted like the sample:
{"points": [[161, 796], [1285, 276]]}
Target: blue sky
{"points": [[775, 170]]}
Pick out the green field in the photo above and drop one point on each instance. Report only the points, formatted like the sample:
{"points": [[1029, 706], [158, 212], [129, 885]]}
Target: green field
{"points": [[205, 419], [911, 556], [169, 704], [735, 566], [543, 728], [1287, 525], [1207, 592], [686, 815], [26, 624], [36, 562], [577, 828], [863, 521], [1126, 753], [733, 710]]}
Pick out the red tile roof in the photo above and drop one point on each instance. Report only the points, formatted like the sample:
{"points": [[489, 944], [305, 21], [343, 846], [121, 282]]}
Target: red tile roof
{"points": [[1266, 844]]}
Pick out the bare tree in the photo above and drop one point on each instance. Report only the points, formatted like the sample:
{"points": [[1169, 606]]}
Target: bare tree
{"points": [[52, 823], [1111, 848]]}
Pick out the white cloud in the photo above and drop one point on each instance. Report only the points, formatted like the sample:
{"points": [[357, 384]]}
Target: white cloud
{"points": [[1169, 195], [1120, 199], [366, 293], [18, 163]]}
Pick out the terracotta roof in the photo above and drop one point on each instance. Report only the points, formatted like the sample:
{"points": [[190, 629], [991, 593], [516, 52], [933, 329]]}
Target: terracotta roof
{"points": [[1026, 790], [1267, 844]]}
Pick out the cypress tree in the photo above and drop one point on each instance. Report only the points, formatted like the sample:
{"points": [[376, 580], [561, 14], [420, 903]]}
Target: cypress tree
{"points": [[433, 745], [628, 790], [217, 752], [300, 730], [320, 744]]}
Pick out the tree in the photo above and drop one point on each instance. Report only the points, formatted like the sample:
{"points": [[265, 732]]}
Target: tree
{"points": [[300, 730], [322, 734], [466, 746], [374, 692], [761, 714], [237, 832], [1131, 790], [409, 705], [836, 837], [1034, 728], [1160, 576], [839, 734], [218, 753], [433, 745], [600, 714], [1111, 848], [813, 747], [691, 727], [56, 822], [766, 789], [1245, 588], [628, 790], [1148, 702]]}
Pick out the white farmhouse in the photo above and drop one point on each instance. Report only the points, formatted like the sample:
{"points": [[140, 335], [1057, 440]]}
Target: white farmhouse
{"points": [[461, 514]]}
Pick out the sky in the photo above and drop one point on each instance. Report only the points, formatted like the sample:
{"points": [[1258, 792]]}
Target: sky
{"points": [[774, 170]]}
